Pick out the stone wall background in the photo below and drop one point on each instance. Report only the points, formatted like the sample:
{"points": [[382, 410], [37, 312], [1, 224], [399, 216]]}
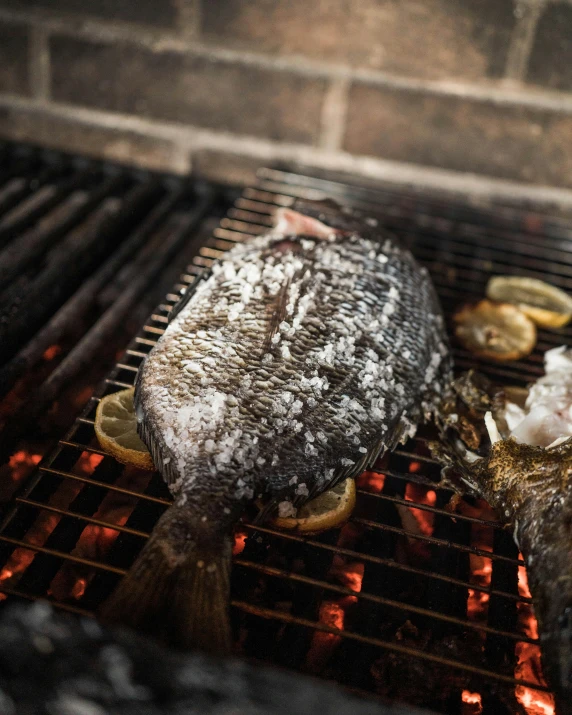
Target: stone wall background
{"points": [[442, 90]]}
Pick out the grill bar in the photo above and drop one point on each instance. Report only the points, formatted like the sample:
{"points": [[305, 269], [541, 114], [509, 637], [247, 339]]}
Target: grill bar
{"points": [[76, 306], [139, 275], [282, 581], [359, 638], [26, 213], [273, 571]]}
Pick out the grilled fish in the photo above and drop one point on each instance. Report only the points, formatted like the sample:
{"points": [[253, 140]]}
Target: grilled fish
{"points": [[53, 663], [292, 365], [513, 447]]}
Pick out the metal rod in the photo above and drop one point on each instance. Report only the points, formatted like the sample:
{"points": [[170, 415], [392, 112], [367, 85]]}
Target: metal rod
{"points": [[25, 309], [105, 485], [286, 618], [441, 542], [24, 186], [30, 210], [30, 246], [385, 645], [76, 306], [359, 556]]}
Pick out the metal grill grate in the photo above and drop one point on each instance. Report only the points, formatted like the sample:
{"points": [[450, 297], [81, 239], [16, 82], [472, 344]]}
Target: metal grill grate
{"points": [[410, 622]]}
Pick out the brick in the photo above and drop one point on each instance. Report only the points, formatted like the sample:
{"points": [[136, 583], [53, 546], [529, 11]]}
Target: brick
{"points": [[550, 63], [13, 58], [225, 168], [190, 90], [157, 13], [421, 38], [520, 143], [66, 134]]}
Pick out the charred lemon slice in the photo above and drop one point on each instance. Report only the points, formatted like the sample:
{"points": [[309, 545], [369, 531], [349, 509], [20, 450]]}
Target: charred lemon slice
{"points": [[116, 430], [545, 304], [495, 331], [331, 509]]}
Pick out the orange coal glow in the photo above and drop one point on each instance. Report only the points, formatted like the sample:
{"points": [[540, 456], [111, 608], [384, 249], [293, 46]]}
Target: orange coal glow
{"points": [[87, 462], [332, 614], [421, 495], [51, 352], [21, 463], [371, 481], [96, 540], [473, 702], [239, 542], [477, 601], [529, 666]]}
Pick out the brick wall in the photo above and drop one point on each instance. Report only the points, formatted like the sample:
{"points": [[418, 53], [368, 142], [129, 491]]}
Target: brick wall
{"points": [[432, 90]]}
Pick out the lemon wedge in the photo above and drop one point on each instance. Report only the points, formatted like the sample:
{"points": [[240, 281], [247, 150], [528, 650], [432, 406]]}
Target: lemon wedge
{"points": [[495, 331], [543, 303], [116, 430], [327, 511]]}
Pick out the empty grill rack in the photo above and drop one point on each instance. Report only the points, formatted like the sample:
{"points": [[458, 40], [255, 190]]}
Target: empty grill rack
{"points": [[396, 602], [82, 247]]}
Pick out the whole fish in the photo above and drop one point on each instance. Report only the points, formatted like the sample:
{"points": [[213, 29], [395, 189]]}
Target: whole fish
{"points": [[514, 448], [293, 364], [58, 664]]}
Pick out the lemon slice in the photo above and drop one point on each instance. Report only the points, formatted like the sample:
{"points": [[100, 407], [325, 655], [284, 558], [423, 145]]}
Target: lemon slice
{"points": [[495, 331], [116, 430], [331, 509], [545, 304]]}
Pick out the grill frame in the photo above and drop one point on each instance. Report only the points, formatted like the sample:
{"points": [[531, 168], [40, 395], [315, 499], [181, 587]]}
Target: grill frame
{"points": [[418, 219]]}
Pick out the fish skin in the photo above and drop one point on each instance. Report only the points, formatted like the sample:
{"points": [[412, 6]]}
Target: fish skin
{"points": [[530, 488], [57, 663], [290, 366]]}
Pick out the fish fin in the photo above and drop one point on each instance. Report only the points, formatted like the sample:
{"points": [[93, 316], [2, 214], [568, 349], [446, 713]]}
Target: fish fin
{"points": [[277, 312], [294, 223], [178, 589], [188, 294]]}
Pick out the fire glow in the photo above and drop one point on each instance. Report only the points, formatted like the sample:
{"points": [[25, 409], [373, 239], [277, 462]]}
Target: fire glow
{"points": [[473, 702], [46, 521], [529, 666]]}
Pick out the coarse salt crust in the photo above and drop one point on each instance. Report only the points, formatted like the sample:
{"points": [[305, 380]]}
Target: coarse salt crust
{"points": [[231, 393]]}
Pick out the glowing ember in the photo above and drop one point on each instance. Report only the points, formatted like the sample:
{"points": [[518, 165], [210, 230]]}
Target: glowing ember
{"points": [[82, 396], [43, 526], [371, 481], [349, 575], [87, 462], [332, 613], [421, 495], [239, 542], [51, 352], [529, 666], [95, 541], [21, 463], [477, 601], [472, 703], [79, 588]]}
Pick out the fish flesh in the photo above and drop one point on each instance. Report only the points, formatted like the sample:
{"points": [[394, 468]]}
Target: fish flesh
{"points": [[513, 447], [59, 664], [291, 365]]}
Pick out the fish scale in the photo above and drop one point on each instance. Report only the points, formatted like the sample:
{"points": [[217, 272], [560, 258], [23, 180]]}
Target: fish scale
{"points": [[311, 329]]}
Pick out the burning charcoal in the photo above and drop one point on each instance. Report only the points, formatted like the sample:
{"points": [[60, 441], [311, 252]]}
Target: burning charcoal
{"points": [[52, 663]]}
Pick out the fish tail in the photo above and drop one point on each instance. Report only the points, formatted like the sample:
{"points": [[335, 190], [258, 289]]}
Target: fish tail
{"points": [[178, 589]]}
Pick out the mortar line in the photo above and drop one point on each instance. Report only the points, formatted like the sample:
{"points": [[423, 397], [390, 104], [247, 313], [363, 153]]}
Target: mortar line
{"points": [[194, 139], [189, 18], [499, 95], [333, 114], [39, 63], [522, 39]]}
